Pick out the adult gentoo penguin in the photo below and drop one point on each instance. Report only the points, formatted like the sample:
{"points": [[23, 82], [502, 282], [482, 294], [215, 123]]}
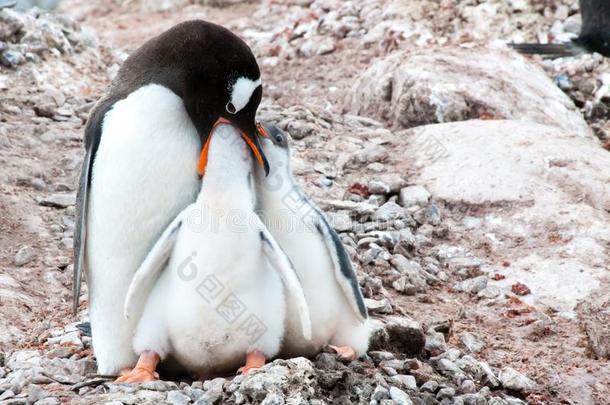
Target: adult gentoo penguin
{"points": [[594, 35], [143, 142], [219, 300], [337, 310]]}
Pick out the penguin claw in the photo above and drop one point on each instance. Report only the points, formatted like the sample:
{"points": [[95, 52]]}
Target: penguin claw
{"points": [[345, 353]]}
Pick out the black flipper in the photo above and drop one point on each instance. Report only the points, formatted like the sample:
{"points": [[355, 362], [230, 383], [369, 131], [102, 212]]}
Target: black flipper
{"points": [[80, 228], [93, 135], [550, 50]]}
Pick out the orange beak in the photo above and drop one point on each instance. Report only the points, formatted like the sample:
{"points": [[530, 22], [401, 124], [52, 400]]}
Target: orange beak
{"points": [[203, 158]]}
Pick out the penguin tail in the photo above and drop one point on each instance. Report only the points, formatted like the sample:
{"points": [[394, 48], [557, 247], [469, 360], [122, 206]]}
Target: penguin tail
{"points": [[549, 50]]}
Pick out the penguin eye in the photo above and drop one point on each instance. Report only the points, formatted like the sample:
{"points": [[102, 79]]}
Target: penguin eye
{"points": [[230, 108], [279, 139]]}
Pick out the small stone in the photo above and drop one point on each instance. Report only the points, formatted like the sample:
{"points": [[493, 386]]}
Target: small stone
{"points": [[465, 267], [379, 356], [300, 129], [430, 386], [468, 387], [371, 154], [490, 292], [449, 369], [400, 397], [380, 393], [214, 389], [514, 380], [405, 335], [405, 381], [24, 255], [58, 200], [159, 385], [472, 286], [7, 395], [489, 377], [472, 343], [48, 401], [435, 343], [326, 46], [378, 306], [496, 401], [411, 270], [378, 187], [445, 393], [429, 215], [413, 195], [11, 58], [389, 211], [177, 398]]}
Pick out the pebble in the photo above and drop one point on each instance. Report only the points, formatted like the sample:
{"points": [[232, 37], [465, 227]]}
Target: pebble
{"points": [[371, 154], [445, 393], [378, 306], [24, 256], [177, 398], [514, 380], [405, 381], [471, 342], [400, 397], [404, 334], [472, 286], [468, 387], [58, 200], [430, 386], [413, 195], [389, 211], [464, 267], [411, 270], [378, 187], [380, 393], [435, 343]]}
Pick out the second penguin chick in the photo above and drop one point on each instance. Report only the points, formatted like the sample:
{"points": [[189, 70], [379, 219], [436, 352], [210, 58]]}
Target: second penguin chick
{"points": [[336, 306], [219, 300]]}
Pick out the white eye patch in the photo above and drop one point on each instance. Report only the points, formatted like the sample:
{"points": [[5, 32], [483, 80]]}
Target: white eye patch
{"points": [[241, 91]]}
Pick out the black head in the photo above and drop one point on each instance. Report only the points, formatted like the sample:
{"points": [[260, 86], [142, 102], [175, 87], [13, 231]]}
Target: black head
{"points": [[212, 69]]}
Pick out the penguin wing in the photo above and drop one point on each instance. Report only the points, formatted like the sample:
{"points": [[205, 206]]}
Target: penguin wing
{"points": [[93, 135], [148, 272], [282, 264], [80, 228], [344, 272]]}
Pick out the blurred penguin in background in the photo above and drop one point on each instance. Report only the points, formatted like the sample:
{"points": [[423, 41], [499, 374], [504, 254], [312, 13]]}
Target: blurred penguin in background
{"points": [[594, 35]]}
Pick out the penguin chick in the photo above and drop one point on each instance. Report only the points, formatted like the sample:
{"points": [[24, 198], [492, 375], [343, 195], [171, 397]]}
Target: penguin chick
{"points": [[337, 310], [213, 287]]}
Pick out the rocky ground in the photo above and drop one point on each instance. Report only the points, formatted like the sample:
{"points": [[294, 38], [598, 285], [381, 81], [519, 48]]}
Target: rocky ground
{"points": [[470, 185]]}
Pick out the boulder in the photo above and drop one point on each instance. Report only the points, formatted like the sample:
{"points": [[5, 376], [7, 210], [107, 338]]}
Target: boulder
{"points": [[455, 84], [541, 188]]}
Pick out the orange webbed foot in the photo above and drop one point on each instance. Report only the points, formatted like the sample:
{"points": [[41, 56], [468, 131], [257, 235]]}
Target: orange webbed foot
{"points": [[255, 359], [346, 353], [138, 375], [143, 371]]}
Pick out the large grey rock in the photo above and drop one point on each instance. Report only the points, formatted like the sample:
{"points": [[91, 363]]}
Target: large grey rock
{"points": [[536, 178], [455, 84]]}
